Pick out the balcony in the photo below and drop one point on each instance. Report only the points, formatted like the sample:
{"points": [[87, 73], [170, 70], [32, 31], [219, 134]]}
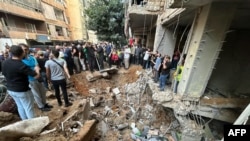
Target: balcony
{"points": [[147, 7], [57, 4], [19, 8], [23, 33], [56, 22], [60, 38]]}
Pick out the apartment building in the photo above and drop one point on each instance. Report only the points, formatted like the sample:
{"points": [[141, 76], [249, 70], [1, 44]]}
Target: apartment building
{"points": [[22, 21], [76, 19], [56, 21], [33, 22]]}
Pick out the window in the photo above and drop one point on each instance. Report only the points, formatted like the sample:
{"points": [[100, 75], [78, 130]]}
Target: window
{"points": [[59, 14], [30, 27], [59, 31]]}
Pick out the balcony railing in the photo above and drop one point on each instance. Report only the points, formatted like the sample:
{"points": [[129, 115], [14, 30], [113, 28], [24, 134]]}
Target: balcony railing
{"points": [[34, 5], [10, 28]]}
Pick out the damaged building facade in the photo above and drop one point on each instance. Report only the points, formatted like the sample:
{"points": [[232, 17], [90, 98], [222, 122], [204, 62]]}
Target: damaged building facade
{"points": [[214, 36]]}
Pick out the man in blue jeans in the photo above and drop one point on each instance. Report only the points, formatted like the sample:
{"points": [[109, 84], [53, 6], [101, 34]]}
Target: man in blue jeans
{"points": [[16, 74], [165, 70]]}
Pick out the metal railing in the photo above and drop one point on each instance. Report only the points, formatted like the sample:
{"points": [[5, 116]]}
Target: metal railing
{"points": [[34, 5]]}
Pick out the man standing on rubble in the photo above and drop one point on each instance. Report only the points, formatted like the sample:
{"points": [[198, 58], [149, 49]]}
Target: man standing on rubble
{"points": [[56, 68], [100, 53], [165, 69], [91, 50], [127, 53], [37, 88], [16, 74]]}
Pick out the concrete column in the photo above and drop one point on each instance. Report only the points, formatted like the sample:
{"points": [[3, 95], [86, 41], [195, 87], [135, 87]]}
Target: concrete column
{"points": [[213, 20], [164, 40]]}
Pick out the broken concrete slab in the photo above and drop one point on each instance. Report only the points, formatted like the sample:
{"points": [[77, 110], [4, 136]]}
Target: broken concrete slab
{"points": [[105, 75], [104, 128], [116, 91], [23, 128], [93, 76], [108, 90], [92, 91], [86, 132], [85, 109], [91, 103], [225, 102], [121, 126], [110, 70], [162, 97]]}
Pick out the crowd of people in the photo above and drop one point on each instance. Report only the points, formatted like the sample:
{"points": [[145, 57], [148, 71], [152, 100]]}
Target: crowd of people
{"points": [[29, 73]]}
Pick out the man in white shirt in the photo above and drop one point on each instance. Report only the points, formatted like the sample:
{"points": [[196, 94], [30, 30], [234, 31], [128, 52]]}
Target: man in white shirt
{"points": [[127, 53], [146, 59]]}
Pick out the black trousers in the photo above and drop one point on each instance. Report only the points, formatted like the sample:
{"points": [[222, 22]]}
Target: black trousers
{"points": [[57, 84], [92, 61]]}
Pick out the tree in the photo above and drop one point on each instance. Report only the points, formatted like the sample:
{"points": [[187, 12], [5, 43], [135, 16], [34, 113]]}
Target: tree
{"points": [[106, 17]]}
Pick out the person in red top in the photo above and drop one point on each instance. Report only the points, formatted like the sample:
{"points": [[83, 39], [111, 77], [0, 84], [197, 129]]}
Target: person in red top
{"points": [[131, 41], [114, 58]]}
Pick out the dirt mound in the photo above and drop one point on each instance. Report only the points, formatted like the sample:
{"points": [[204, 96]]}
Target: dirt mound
{"points": [[120, 79]]}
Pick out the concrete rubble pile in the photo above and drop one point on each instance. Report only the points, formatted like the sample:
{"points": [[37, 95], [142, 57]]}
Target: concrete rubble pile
{"points": [[74, 124], [128, 112], [191, 124]]}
